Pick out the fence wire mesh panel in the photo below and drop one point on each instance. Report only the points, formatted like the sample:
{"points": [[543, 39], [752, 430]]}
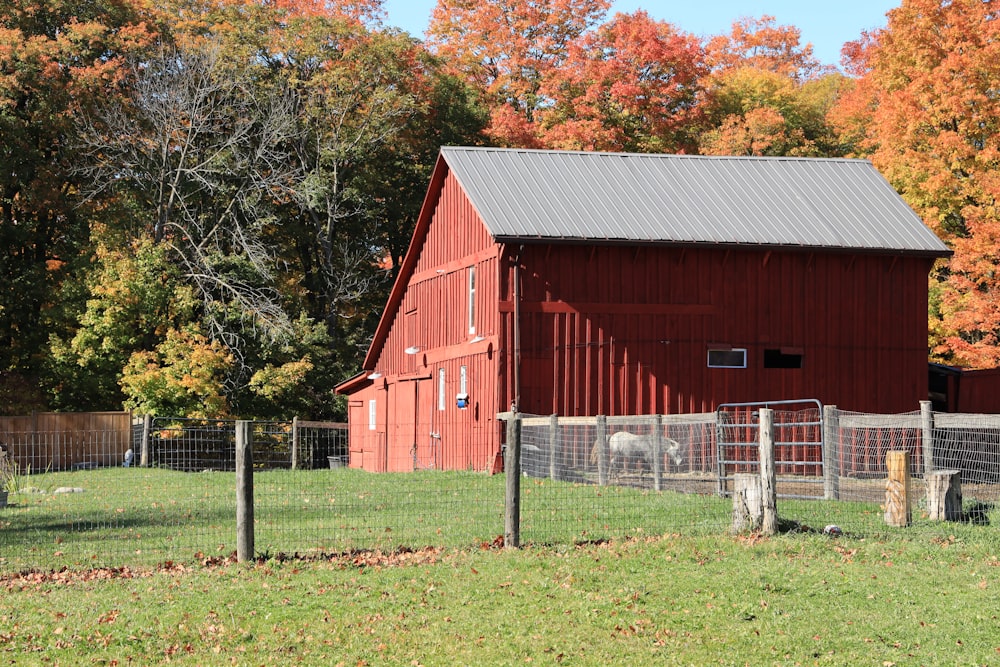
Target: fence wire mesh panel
{"points": [[110, 492], [181, 506], [319, 445], [589, 478], [344, 509], [970, 444], [97, 507]]}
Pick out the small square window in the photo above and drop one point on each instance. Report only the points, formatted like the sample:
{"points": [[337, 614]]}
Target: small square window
{"points": [[731, 358], [782, 358]]}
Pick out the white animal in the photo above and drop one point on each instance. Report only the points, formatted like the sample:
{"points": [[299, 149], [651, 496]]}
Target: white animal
{"points": [[628, 448]]}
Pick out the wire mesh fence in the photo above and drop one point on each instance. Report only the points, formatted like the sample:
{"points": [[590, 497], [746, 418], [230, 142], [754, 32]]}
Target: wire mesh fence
{"points": [[164, 489], [593, 478]]}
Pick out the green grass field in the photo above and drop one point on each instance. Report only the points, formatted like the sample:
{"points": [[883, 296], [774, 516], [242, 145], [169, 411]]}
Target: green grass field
{"points": [[403, 569]]}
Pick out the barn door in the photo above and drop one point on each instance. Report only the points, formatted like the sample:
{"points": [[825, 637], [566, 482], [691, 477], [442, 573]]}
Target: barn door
{"points": [[424, 442]]}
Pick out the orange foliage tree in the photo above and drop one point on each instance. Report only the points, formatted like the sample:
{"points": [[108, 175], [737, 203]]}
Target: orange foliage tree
{"points": [[760, 44], [506, 48], [927, 112], [630, 85]]}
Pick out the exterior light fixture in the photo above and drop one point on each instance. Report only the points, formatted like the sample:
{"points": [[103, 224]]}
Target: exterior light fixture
{"points": [[413, 349], [375, 375]]}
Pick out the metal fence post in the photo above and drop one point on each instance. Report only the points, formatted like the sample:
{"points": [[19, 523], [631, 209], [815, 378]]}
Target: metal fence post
{"points": [[295, 443], [244, 491], [658, 454], [831, 453], [147, 432], [553, 446], [512, 468], [601, 446]]}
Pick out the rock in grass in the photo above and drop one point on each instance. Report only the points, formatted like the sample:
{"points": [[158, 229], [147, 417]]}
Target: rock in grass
{"points": [[68, 489]]}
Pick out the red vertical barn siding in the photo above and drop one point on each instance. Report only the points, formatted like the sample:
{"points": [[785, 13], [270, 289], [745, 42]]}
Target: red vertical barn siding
{"points": [[626, 330], [433, 317]]}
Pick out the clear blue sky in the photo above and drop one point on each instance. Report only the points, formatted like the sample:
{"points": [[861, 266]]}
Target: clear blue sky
{"points": [[826, 24]]}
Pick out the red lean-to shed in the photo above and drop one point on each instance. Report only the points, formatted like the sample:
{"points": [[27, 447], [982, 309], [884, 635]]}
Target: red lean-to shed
{"points": [[605, 283]]}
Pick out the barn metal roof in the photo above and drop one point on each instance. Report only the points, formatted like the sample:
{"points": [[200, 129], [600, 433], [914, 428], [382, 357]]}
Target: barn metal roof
{"points": [[534, 195]]}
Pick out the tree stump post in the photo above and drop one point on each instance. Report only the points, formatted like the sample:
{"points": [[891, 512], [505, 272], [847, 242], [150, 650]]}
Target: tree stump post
{"points": [[944, 495], [748, 506], [897, 489]]}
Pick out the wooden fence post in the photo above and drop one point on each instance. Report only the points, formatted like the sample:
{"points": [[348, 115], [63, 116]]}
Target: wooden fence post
{"points": [[295, 443], [147, 428], [553, 447], [512, 468], [831, 452], [927, 434], [601, 445], [244, 491], [897, 489], [658, 454], [768, 483]]}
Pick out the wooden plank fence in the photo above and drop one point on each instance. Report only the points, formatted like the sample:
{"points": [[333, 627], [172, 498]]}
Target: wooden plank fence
{"points": [[66, 440]]}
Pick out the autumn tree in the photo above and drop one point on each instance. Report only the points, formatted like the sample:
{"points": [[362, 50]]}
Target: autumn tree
{"points": [[53, 57], [926, 111], [766, 93], [134, 296], [630, 85], [200, 145], [760, 44], [749, 111], [506, 48]]}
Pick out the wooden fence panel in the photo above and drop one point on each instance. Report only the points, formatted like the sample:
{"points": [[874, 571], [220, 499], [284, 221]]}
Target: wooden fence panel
{"points": [[67, 440]]}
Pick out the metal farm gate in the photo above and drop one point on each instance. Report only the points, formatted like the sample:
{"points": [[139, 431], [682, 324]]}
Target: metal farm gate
{"points": [[798, 445]]}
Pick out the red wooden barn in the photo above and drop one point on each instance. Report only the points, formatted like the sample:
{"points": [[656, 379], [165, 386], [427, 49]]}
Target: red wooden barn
{"points": [[601, 283]]}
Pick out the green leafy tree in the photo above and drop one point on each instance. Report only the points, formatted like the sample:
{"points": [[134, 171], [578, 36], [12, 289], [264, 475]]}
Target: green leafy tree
{"points": [[135, 296]]}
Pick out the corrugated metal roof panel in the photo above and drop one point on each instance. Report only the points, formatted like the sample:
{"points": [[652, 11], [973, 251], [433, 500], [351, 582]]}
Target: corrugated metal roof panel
{"points": [[807, 202]]}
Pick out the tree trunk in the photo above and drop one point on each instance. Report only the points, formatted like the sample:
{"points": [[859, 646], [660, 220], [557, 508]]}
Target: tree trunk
{"points": [[944, 495], [748, 503]]}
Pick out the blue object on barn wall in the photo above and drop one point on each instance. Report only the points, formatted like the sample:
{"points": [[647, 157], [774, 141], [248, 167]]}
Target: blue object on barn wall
{"points": [[462, 401]]}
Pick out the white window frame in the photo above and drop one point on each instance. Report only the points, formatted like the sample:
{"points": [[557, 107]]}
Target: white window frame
{"points": [[442, 399], [463, 382], [728, 351], [372, 414], [472, 299]]}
